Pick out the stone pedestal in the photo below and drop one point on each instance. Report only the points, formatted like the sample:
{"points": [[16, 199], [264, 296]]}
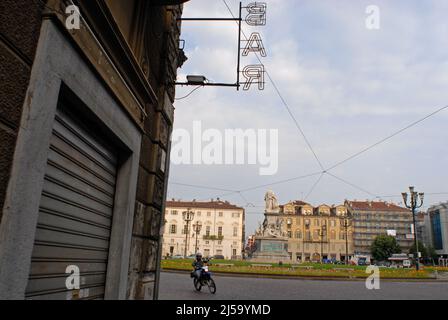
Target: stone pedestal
{"points": [[271, 250]]}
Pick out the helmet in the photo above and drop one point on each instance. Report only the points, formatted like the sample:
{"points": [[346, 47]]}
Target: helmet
{"points": [[198, 255]]}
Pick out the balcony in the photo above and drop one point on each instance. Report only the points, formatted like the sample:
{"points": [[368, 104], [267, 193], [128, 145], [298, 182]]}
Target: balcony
{"points": [[213, 238]]}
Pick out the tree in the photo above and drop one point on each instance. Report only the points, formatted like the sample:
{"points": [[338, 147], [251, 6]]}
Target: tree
{"points": [[421, 248], [383, 247]]}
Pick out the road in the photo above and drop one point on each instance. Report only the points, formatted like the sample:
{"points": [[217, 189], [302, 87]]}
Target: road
{"points": [[176, 286]]}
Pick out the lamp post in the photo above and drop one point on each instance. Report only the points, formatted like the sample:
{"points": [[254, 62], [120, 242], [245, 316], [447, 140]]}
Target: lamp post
{"points": [[197, 229], [322, 233], [188, 216], [346, 223], [413, 205]]}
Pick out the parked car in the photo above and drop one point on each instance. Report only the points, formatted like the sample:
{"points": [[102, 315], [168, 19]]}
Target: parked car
{"points": [[177, 257], [218, 257], [193, 256], [386, 264]]}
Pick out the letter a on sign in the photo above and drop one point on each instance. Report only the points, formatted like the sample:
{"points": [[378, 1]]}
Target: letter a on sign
{"points": [[254, 73], [257, 14], [254, 44]]}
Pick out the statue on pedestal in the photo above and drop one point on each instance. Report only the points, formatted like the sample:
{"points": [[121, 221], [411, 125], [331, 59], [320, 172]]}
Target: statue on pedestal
{"points": [[271, 202]]}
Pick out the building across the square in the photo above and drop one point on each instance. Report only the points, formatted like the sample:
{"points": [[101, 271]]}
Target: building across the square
{"points": [[375, 218], [436, 229], [317, 233], [222, 231]]}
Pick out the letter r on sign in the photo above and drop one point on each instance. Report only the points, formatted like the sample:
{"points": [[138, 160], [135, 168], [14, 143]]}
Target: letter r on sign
{"points": [[254, 73]]}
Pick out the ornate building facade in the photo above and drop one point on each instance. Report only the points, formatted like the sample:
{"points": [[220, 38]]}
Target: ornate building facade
{"points": [[221, 231], [317, 233]]}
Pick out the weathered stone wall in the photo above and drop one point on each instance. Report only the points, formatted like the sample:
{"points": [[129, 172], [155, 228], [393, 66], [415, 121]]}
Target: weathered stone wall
{"points": [[163, 64], [20, 23]]}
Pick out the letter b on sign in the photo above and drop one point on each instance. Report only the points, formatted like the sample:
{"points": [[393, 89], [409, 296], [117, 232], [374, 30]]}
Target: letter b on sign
{"points": [[257, 14]]}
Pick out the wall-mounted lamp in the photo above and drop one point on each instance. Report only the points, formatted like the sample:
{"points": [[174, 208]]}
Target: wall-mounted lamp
{"points": [[195, 80]]}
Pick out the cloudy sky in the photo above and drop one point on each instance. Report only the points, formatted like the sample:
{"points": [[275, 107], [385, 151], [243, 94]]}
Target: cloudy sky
{"points": [[347, 86]]}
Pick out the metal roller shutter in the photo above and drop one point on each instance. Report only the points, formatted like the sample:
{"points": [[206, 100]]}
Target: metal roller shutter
{"points": [[75, 214]]}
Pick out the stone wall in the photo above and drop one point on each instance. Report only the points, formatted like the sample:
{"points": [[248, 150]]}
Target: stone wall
{"points": [[147, 236], [19, 30], [20, 23]]}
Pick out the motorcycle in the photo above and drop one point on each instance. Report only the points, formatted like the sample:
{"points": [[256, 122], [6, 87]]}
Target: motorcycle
{"points": [[205, 280]]}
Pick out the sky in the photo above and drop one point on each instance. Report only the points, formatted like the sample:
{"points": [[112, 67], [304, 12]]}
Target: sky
{"points": [[348, 87]]}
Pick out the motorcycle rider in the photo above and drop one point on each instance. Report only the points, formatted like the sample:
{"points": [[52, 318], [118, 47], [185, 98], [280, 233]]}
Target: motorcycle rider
{"points": [[197, 265]]}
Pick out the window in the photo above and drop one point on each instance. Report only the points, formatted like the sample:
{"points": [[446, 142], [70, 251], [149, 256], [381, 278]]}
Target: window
{"points": [[199, 213], [209, 214], [207, 231], [299, 234], [219, 252], [173, 229], [308, 235], [185, 230], [235, 215], [333, 223], [174, 213], [437, 231], [316, 222], [235, 231], [333, 235], [221, 214], [219, 231], [234, 252], [290, 234]]}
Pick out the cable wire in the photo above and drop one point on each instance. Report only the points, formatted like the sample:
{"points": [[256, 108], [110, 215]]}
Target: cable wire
{"points": [[314, 186], [285, 104], [387, 138], [191, 92], [351, 184]]}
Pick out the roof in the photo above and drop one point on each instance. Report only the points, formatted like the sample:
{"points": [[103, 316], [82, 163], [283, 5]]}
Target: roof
{"points": [[224, 205], [375, 206], [295, 203]]}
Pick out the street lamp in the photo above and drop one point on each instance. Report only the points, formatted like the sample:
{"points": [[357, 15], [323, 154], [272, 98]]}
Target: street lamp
{"points": [[197, 229], [322, 233], [346, 223], [413, 205], [188, 216]]}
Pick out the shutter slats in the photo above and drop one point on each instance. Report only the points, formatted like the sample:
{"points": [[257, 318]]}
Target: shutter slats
{"points": [[75, 215]]}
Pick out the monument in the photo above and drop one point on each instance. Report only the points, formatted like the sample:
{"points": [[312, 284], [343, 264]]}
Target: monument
{"points": [[271, 239]]}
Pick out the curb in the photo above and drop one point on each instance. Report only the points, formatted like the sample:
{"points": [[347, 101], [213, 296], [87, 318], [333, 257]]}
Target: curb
{"points": [[310, 278]]}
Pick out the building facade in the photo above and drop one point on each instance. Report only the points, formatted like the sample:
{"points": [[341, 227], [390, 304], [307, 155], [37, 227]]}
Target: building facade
{"points": [[371, 219], [222, 230], [436, 226], [85, 120], [317, 233]]}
